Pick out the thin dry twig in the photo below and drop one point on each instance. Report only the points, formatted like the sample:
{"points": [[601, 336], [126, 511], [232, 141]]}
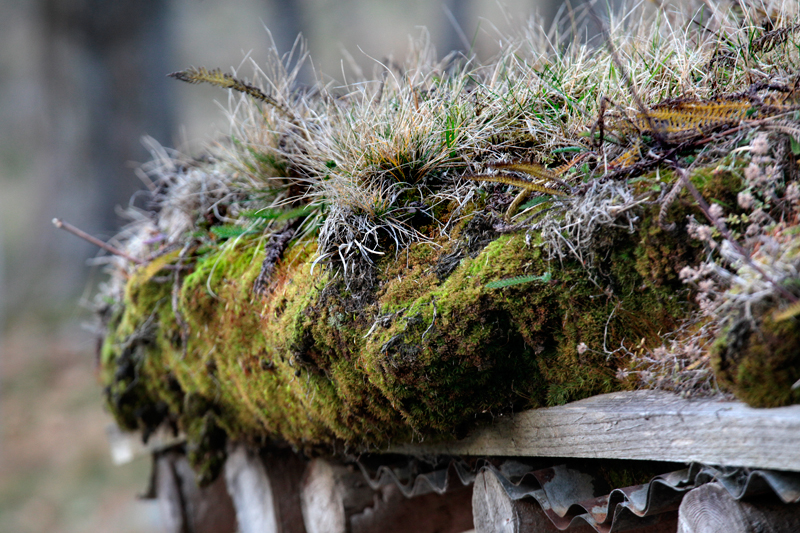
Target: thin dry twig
{"points": [[60, 224]]}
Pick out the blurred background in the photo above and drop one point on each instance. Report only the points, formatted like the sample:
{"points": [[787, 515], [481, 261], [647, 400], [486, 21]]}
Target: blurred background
{"points": [[81, 81]]}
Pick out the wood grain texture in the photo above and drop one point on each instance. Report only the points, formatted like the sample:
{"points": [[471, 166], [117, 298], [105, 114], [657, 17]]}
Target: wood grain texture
{"points": [[285, 470], [644, 425], [494, 511], [186, 507], [711, 509], [251, 491]]}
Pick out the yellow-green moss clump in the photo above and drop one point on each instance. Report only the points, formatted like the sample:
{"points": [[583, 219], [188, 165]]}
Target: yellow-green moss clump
{"points": [[418, 350], [352, 272]]}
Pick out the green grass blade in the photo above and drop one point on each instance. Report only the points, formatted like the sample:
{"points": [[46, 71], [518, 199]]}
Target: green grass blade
{"points": [[517, 280], [229, 232], [534, 202], [277, 214]]}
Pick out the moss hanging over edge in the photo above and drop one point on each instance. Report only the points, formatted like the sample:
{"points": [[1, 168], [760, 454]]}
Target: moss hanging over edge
{"points": [[422, 356], [326, 282]]}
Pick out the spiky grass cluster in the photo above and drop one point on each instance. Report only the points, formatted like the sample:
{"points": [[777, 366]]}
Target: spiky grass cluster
{"points": [[366, 154], [378, 164], [183, 195]]}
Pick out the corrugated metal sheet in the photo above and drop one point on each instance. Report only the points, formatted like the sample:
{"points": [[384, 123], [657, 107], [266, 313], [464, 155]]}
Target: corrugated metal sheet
{"points": [[569, 496]]}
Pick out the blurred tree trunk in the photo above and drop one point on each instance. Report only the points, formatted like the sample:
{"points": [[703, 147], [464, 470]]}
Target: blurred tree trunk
{"points": [[456, 32], [458, 28], [104, 71], [289, 22]]}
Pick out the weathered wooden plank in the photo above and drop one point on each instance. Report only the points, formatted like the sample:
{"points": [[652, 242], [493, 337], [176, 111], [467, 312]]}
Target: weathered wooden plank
{"points": [[645, 425]]}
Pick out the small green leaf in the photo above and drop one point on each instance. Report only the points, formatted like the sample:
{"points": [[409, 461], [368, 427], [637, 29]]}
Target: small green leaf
{"points": [[568, 149], [795, 145], [228, 232], [720, 202], [535, 201]]}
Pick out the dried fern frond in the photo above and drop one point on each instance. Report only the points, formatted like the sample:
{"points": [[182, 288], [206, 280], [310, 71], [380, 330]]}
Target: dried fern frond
{"points": [[517, 182], [679, 121], [679, 117], [532, 169], [224, 80], [540, 172], [563, 169], [514, 207], [628, 157], [773, 38], [786, 127]]}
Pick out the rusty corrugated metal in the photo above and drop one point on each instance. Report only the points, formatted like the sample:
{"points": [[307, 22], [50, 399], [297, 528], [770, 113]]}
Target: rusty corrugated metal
{"points": [[569, 496]]}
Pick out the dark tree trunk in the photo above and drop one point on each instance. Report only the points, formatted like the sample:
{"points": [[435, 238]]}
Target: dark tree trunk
{"points": [[104, 71]]}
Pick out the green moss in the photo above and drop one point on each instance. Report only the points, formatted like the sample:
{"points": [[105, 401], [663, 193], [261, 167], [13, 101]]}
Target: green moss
{"points": [[429, 353], [516, 346], [661, 253], [421, 348], [722, 183], [760, 364], [412, 343], [139, 391]]}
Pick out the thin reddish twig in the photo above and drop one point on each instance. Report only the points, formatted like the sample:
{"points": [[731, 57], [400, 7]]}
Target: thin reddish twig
{"points": [[94, 240]]}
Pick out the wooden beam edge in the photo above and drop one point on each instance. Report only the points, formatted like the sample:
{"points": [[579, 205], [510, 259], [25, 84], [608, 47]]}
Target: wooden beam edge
{"points": [[640, 425]]}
